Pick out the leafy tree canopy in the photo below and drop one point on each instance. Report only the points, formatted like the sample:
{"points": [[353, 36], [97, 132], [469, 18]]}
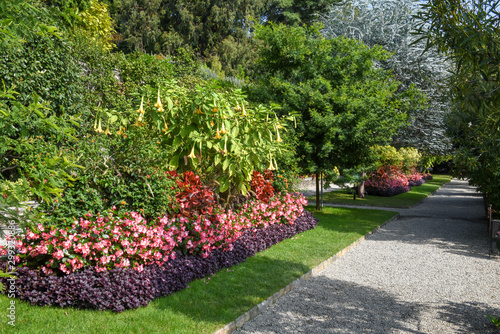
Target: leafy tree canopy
{"points": [[292, 12], [346, 104]]}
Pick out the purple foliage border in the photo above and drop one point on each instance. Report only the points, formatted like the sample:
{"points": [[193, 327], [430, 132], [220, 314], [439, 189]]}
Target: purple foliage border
{"points": [[121, 289]]}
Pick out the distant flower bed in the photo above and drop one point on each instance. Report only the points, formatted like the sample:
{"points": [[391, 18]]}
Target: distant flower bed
{"points": [[387, 181]]}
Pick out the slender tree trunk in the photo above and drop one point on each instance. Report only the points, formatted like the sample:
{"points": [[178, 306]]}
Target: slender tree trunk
{"points": [[361, 187], [318, 206]]}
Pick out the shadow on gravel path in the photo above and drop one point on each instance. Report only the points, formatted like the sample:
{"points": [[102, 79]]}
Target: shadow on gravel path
{"points": [[426, 272]]}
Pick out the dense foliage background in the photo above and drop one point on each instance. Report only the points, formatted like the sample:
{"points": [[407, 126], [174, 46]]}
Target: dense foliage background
{"points": [[150, 129]]}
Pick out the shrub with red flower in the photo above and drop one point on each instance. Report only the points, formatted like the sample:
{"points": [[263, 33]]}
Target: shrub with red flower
{"points": [[262, 185], [193, 197], [415, 179]]}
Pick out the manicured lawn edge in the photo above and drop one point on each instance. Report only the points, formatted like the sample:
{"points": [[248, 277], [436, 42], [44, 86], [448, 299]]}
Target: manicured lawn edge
{"points": [[263, 306]]}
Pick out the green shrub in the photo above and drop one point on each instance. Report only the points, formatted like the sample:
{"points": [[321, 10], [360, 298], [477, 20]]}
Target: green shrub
{"points": [[126, 171], [47, 67]]}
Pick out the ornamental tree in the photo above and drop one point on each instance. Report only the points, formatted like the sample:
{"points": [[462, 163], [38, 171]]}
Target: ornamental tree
{"points": [[345, 103], [206, 128]]}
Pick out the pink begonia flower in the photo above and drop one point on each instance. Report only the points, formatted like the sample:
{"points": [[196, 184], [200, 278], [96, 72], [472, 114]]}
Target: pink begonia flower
{"points": [[47, 271], [41, 249], [58, 255], [32, 236], [100, 269], [84, 224], [63, 268]]}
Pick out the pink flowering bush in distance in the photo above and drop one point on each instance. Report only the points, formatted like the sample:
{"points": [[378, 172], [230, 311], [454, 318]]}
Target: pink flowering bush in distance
{"points": [[414, 175], [113, 240], [387, 177]]}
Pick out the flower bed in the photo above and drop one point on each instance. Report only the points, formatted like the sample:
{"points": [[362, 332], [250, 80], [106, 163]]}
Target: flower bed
{"points": [[415, 179], [387, 181], [118, 289], [112, 241], [118, 260]]}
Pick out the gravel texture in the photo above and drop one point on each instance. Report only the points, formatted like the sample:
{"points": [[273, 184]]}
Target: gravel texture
{"points": [[426, 272]]}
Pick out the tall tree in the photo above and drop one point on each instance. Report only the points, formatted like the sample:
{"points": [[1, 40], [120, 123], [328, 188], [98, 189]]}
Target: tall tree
{"points": [[346, 104], [217, 31], [468, 32], [292, 12], [390, 23]]}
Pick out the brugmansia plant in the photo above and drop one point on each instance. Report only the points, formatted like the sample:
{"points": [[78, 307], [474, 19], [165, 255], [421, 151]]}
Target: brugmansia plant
{"points": [[208, 129]]}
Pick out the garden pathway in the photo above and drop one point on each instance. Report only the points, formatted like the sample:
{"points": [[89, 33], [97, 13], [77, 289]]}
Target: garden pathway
{"points": [[427, 271]]}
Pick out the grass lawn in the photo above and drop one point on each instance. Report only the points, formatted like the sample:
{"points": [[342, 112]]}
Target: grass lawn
{"points": [[210, 303], [405, 200]]}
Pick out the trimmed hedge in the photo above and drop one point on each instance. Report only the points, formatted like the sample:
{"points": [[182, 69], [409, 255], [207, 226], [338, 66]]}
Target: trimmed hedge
{"points": [[121, 289]]}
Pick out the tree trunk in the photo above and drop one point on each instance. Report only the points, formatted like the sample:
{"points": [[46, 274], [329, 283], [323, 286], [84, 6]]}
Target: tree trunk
{"points": [[361, 187], [318, 207]]}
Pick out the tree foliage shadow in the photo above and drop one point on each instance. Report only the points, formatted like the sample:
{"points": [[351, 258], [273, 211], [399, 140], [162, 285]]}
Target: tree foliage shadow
{"points": [[324, 305]]}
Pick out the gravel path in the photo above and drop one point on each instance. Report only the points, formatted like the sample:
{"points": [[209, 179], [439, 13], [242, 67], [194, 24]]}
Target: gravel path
{"points": [[426, 272]]}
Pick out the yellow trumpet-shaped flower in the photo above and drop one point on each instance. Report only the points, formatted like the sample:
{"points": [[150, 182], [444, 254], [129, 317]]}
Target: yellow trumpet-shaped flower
{"points": [[141, 108], [225, 145], [107, 132], [191, 155], [120, 131], [158, 103], [279, 138], [223, 130], [244, 113], [271, 167], [99, 129], [95, 124], [139, 120], [166, 126], [238, 108], [212, 123], [199, 111]]}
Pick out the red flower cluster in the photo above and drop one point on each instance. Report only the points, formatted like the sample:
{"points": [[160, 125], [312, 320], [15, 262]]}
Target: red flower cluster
{"points": [[193, 197], [387, 177], [262, 185]]}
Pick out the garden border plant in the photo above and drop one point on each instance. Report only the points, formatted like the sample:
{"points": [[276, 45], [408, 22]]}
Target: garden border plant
{"points": [[100, 289], [212, 302]]}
